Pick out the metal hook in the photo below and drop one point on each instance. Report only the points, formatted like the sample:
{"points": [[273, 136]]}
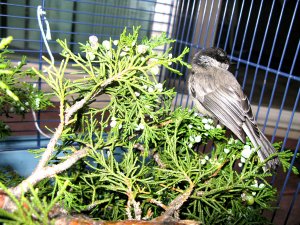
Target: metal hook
{"points": [[41, 13], [47, 36]]}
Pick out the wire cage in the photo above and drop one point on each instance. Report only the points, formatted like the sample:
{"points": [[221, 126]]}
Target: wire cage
{"points": [[261, 37]]}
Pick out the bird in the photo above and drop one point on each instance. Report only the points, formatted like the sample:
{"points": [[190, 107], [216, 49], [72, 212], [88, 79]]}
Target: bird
{"points": [[216, 93]]}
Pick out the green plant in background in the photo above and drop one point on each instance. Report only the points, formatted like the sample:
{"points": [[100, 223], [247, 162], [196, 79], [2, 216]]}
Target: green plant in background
{"points": [[9, 177], [135, 158], [16, 95]]}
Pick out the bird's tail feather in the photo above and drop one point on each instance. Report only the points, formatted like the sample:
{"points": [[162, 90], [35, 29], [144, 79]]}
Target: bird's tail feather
{"points": [[260, 141], [267, 149]]}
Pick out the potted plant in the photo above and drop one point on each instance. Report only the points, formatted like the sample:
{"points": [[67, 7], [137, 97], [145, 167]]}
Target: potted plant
{"points": [[135, 160]]}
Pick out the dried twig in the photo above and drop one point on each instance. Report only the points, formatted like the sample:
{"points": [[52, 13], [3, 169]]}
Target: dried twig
{"points": [[158, 203], [132, 202], [155, 155], [218, 169], [158, 160], [165, 123], [177, 202]]}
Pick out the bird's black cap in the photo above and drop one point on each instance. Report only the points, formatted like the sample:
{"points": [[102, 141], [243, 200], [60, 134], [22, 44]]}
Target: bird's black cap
{"points": [[216, 53]]}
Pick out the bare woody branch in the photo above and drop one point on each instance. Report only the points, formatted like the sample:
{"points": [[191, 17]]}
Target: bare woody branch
{"points": [[42, 171], [68, 220], [176, 204], [39, 175]]}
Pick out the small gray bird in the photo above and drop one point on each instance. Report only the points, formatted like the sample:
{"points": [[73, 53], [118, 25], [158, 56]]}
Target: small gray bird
{"points": [[216, 93]]}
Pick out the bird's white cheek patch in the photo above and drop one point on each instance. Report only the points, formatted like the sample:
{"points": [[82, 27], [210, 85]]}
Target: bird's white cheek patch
{"points": [[224, 66]]}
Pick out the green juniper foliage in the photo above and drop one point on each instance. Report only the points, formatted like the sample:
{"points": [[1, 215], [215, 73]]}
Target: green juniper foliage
{"points": [[9, 177], [16, 96], [143, 157], [31, 209]]}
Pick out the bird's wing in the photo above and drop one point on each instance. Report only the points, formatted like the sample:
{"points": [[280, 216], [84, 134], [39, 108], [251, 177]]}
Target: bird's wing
{"points": [[231, 108]]}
